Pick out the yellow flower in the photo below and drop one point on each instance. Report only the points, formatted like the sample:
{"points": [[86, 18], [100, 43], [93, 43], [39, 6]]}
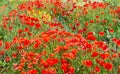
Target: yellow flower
{"points": [[28, 12], [23, 0], [34, 14], [41, 14], [11, 0], [74, 1], [46, 17], [18, 0]]}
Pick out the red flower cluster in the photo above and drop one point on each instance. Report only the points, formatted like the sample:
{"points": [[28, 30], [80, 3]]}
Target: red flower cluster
{"points": [[72, 41]]}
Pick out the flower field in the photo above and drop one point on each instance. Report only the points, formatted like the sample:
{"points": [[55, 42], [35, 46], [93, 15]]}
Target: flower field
{"points": [[59, 37]]}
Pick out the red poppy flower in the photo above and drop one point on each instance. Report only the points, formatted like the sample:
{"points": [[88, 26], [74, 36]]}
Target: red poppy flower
{"points": [[26, 30], [97, 21], [86, 23], [80, 31], [52, 61], [88, 45], [102, 63], [46, 39], [101, 33], [7, 45], [97, 69], [71, 70], [14, 55], [90, 33], [26, 42], [91, 37], [114, 39], [91, 21], [23, 72], [33, 71], [111, 30], [94, 54], [44, 71], [118, 42], [104, 47], [22, 7], [49, 71], [108, 66], [0, 43], [84, 0], [37, 26], [97, 16], [104, 56], [63, 61], [2, 52], [64, 67], [87, 63], [69, 55], [7, 59], [20, 31], [114, 55], [36, 46], [98, 60], [104, 21]]}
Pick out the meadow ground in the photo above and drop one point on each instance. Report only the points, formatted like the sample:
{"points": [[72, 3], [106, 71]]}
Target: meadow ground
{"points": [[59, 37]]}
